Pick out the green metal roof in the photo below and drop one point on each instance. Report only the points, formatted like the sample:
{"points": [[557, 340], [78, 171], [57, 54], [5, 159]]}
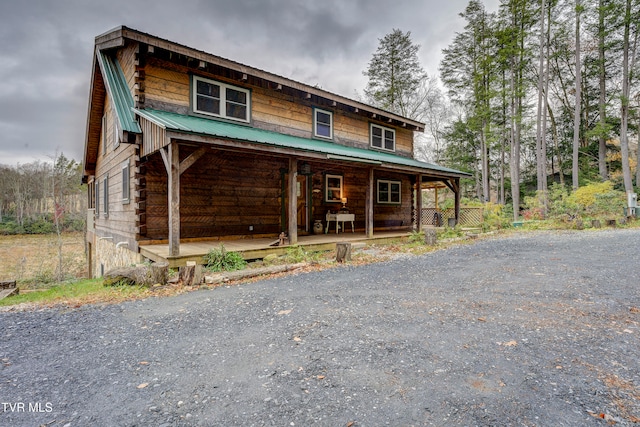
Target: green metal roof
{"points": [[222, 129], [119, 93]]}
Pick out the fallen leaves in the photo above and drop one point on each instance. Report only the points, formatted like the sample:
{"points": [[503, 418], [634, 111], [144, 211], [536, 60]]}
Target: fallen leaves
{"points": [[143, 385], [283, 312], [608, 418]]}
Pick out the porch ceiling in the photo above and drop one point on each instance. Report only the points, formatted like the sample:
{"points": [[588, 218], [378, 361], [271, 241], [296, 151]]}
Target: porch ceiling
{"points": [[215, 128]]}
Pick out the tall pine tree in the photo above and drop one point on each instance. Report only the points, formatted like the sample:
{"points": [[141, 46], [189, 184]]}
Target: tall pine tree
{"points": [[395, 75]]}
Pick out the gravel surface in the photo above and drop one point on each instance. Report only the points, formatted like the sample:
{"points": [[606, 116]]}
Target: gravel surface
{"points": [[533, 329]]}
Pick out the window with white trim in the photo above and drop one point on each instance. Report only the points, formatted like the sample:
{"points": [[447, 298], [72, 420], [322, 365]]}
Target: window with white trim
{"points": [[116, 132], [389, 192], [104, 134], [383, 138], [105, 196], [322, 124], [220, 100], [333, 188], [97, 195], [125, 183]]}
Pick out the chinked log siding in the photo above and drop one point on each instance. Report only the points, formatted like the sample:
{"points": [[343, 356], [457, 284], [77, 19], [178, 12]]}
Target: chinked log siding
{"points": [[220, 194], [224, 193]]}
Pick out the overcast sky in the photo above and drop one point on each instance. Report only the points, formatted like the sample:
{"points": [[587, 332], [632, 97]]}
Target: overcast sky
{"points": [[46, 49]]}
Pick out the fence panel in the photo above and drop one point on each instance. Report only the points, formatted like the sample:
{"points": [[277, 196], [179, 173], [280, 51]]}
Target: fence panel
{"points": [[469, 216]]}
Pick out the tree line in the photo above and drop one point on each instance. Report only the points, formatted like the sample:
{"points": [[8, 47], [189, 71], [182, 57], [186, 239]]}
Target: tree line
{"points": [[534, 93], [42, 197]]}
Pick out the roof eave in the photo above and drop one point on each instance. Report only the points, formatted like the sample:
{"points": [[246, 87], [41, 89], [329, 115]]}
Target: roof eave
{"points": [[89, 164], [117, 36]]}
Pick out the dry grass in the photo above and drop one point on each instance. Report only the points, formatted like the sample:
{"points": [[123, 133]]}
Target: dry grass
{"points": [[33, 259]]}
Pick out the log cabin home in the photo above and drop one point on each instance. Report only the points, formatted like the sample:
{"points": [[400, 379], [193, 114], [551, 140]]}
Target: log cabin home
{"points": [[185, 146]]}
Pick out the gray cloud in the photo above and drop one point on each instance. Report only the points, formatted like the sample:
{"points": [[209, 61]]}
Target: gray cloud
{"points": [[46, 50]]}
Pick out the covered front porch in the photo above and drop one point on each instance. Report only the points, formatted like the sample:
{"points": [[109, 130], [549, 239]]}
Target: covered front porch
{"points": [[205, 181], [258, 248]]}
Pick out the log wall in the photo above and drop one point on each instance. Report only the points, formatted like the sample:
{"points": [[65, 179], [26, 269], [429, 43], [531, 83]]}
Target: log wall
{"points": [[167, 87], [355, 187], [222, 194], [120, 222]]}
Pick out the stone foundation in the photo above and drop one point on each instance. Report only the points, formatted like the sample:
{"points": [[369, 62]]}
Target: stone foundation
{"points": [[108, 256]]}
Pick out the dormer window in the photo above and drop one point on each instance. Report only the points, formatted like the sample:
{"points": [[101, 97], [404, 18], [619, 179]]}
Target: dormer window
{"points": [[218, 99], [383, 138], [322, 124]]}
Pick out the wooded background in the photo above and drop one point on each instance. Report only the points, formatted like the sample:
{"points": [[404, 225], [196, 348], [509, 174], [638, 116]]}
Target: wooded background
{"points": [[539, 92], [39, 197]]}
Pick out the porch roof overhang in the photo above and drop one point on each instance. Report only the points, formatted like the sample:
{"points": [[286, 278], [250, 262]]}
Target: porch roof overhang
{"points": [[186, 125]]}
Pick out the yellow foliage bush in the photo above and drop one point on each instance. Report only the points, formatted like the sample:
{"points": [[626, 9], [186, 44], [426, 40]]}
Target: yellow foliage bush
{"points": [[586, 196]]}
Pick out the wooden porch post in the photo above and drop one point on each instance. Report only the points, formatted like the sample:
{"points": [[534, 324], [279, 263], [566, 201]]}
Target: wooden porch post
{"points": [[419, 203], [456, 186], [293, 201], [369, 206], [173, 169]]}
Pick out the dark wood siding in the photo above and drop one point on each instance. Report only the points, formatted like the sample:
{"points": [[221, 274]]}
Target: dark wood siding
{"points": [[222, 194]]}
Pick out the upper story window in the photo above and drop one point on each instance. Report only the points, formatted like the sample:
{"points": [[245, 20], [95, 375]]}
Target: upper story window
{"points": [[221, 100], [323, 124], [383, 138]]}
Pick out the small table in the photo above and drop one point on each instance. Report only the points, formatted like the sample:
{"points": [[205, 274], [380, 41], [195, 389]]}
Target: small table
{"points": [[340, 217]]}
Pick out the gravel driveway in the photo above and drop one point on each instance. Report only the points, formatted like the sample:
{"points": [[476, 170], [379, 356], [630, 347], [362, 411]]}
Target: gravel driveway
{"points": [[534, 329]]}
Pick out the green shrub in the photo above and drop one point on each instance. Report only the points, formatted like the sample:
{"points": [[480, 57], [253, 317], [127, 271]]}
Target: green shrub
{"points": [[39, 226], [416, 237], [295, 254], [219, 259], [11, 228], [496, 216]]}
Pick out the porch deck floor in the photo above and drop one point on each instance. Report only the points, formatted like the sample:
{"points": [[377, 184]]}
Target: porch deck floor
{"points": [[259, 248]]}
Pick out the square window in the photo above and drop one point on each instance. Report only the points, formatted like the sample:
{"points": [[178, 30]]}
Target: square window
{"points": [[323, 124], [383, 138], [389, 192]]}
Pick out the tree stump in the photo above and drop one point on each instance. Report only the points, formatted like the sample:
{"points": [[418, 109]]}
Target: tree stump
{"points": [[191, 274], [343, 251], [430, 237], [579, 224], [595, 223], [611, 223]]}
